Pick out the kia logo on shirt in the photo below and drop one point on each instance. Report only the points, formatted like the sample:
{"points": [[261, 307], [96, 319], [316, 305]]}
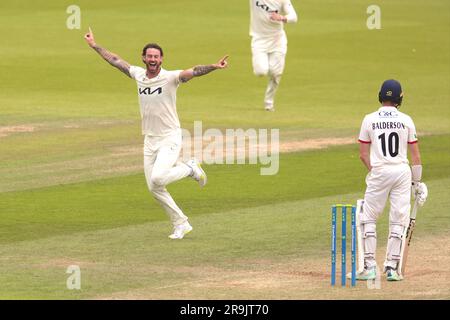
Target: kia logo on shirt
{"points": [[150, 91], [265, 7]]}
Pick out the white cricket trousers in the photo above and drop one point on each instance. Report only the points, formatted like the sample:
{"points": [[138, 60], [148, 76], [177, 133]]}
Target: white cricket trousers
{"points": [[161, 168], [268, 58], [393, 181]]}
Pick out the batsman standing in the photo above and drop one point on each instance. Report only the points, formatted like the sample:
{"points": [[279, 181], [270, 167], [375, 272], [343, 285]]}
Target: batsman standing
{"points": [[384, 139], [269, 41], [157, 89]]}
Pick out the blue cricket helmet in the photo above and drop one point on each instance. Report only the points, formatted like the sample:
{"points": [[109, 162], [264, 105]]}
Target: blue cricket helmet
{"points": [[391, 90]]}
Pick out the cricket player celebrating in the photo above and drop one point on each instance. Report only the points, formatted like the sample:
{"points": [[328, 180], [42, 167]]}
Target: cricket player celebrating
{"points": [[157, 89], [269, 41], [384, 139]]}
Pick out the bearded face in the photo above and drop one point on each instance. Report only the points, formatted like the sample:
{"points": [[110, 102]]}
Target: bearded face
{"points": [[153, 60]]}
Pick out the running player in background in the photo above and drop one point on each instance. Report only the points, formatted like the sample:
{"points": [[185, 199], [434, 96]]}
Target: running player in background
{"points": [[384, 139], [269, 41], [157, 90]]}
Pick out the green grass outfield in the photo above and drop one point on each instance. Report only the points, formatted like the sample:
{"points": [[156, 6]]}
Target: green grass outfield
{"points": [[72, 189], [118, 235]]}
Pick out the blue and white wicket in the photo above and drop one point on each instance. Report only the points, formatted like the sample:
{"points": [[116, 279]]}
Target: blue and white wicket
{"points": [[334, 213]]}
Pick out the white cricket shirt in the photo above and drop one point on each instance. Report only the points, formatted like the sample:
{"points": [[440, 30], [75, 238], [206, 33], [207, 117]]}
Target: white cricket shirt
{"points": [[260, 24], [158, 101], [389, 132]]}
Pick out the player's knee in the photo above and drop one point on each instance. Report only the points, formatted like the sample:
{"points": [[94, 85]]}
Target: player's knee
{"points": [[260, 71], [157, 181], [276, 70], [275, 77], [153, 187]]}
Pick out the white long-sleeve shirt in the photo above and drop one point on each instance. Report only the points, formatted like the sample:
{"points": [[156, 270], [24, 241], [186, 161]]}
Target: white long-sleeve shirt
{"points": [[261, 26]]}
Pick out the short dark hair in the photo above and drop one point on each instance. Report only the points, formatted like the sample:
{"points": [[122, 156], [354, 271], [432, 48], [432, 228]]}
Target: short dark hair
{"points": [[152, 46]]}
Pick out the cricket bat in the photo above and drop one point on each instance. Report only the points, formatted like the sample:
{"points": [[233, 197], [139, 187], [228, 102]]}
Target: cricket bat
{"points": [[407, 238]]}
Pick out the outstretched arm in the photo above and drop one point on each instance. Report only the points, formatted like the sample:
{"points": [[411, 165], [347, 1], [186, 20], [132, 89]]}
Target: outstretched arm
{"points": [[112, 58], [201, 70]]}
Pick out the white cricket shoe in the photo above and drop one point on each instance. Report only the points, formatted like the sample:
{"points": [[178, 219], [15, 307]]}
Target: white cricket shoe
{"points": [[269, 108], [197, 172], [392, 274], [180, 231], [366, 274]]}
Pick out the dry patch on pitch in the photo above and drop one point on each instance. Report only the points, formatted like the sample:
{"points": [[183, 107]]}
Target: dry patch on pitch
{"points": [[427, 277], [64, 263], [124, 160], [116, 161], [70, 171], [6, 131], [283, 147], [314, 144], [9, 130], [290, 144]]}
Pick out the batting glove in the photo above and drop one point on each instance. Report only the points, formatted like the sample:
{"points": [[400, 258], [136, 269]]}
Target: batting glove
{"points": [[420, 191]]}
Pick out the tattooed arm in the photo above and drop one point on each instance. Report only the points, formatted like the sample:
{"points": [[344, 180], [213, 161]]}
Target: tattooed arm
{"points": [[112, 58], [201, 70]]}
